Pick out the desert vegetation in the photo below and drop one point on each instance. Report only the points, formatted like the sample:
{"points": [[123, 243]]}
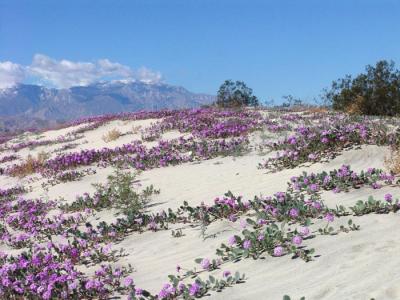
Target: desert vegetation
{"points": [[75, 248], [112, 135], [375, 92]]}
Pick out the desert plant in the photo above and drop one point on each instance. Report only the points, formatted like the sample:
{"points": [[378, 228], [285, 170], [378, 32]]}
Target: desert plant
{"points": [[30, 165], [375, 92], [136, 129], [118, 192], [112, 135]]}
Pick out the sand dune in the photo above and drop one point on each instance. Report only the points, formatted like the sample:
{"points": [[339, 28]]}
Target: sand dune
{"points": [[359, 264]]}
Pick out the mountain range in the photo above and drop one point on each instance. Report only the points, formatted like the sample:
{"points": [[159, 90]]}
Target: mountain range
{"points": [[26, 105]]}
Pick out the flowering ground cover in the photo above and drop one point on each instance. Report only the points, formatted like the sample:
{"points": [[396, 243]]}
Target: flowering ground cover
{"points": [[88, 247]]}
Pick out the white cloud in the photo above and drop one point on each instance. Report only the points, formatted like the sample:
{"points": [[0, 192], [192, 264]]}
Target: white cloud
{"points": [[148, 76], [10, 74], [65, 73]]}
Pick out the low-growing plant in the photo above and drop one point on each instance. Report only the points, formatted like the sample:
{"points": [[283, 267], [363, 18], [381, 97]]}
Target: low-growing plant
{"points": [[177, 233], [118, 192], [30, 165], [177, 289], [136, 129], [67, 176], [339, 180], [8, 158], [376, 206], [270, 239], [329, 230]]}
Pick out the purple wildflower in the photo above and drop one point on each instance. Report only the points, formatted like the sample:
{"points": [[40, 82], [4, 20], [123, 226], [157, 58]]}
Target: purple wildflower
{"points": [[226, 274], [205, 264], [194, 289], [128, 281], [246, 244], [294, 213], [232, 241], [329, 217], [297, 240], [304, 231], [388, 198], [278, 251]]}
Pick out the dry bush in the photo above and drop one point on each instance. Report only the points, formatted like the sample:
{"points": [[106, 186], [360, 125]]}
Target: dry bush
{"points": [[30, 165], [355, 108], [136, 129], [392, 163], [317, 109], [112, 135], [42, 157]]}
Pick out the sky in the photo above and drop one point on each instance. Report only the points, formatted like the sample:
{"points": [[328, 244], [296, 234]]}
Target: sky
{"points": [[277, 47]]}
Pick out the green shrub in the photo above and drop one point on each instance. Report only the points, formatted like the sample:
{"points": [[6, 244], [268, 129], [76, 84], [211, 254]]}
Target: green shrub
{"points": [[375, 92], [235, 94]]}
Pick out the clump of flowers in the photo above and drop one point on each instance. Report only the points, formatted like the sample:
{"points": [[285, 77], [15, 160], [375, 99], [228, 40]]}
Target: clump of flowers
{"points": [[339, 180], [316, 143]]}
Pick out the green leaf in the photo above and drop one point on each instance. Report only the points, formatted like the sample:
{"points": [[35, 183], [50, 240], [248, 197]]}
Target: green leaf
{"points": [[212, 279], [251, 222], [237, 275]]}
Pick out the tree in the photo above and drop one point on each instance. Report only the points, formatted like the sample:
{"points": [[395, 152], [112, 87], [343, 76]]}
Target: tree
{"points": [[375, 92], [235, 94], [291, 101]]}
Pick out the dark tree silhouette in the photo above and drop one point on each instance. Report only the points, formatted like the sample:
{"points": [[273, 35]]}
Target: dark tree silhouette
{"points": [[375, 92], [235, 94]]}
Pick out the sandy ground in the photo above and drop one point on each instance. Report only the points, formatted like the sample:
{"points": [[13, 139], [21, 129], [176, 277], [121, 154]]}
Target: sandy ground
{"points": [[357, 265]]}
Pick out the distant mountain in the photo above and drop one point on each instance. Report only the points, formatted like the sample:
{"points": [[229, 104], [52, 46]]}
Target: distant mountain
{"points": [[32, 105]]}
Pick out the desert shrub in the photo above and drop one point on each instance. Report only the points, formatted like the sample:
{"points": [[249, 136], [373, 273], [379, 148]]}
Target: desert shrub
{"points": [[235, 94], [119, 192], [30, 165], [375, 92], [136, 129], [112, 135]]}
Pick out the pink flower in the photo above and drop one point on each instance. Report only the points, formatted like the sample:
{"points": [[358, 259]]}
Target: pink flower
{"points": [[246, 244], [128, 281], [232, 218], [194, 289], [304, 231], [314, 187], [294, 213], [297, 240], [312, 156], [205, 264], [138, 292], [329, 217], [325, 140], [278, 251], [388, 198]]}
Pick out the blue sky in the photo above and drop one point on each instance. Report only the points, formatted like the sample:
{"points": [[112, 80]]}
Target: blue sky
{"points": [[276, 47]]}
